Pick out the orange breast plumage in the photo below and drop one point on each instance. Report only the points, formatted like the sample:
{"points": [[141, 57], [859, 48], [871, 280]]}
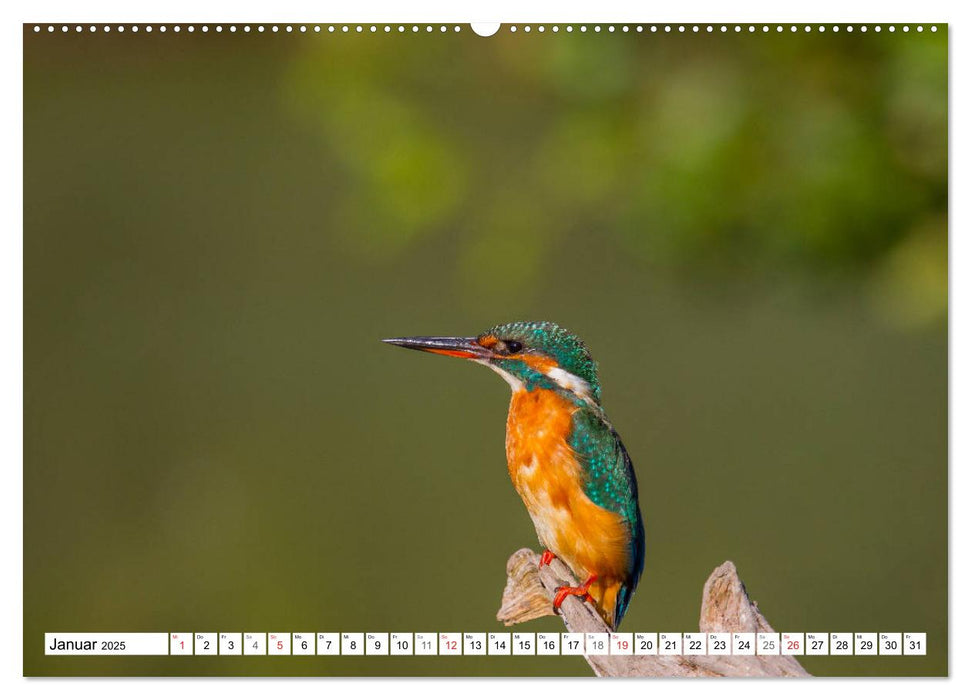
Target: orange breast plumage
{"points": [[550, 480]]}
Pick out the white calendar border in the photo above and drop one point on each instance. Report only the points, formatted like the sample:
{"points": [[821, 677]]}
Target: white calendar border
{"points": [[11, 304]]}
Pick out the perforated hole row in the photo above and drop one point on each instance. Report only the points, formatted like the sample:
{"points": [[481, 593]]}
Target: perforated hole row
{"points": [[712, 28], [250, 28], [513, 28]]}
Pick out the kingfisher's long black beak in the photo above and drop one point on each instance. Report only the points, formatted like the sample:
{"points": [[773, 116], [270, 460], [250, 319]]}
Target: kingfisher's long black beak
{"points": [[466, 348]]}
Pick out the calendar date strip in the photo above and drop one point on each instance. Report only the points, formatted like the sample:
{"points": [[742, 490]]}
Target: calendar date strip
{"points": [[614, 644]]}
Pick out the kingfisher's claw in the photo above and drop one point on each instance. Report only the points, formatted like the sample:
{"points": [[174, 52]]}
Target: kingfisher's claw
{"points": [[582, 591]]}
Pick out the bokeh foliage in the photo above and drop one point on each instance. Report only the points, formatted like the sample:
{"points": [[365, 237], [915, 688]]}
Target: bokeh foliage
{"points": [[774, 154], [749, 230]]}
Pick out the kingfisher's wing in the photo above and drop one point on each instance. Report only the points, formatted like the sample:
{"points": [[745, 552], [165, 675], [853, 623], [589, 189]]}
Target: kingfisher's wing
{"points": [[610, 479], [610, 483]]}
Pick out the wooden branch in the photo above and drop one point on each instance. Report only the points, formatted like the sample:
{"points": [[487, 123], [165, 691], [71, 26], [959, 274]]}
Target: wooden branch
{"points": [[725, 607]]}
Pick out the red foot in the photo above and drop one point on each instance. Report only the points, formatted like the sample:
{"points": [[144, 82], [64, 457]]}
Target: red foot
{"points": [[563, 591], [547, 557]]}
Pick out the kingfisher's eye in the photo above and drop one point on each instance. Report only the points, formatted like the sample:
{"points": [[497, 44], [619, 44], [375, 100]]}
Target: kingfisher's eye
{"points": [[513, 346]]}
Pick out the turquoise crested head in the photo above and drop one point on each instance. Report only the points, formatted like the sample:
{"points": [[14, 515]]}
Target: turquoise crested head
{"points": [[527, 354]]}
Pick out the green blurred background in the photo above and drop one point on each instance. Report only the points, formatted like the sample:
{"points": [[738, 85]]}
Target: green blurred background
{"points": [[750, 231]]}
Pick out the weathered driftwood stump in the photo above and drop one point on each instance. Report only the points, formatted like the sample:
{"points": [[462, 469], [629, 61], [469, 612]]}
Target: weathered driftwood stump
{"points": [[725, 607]]}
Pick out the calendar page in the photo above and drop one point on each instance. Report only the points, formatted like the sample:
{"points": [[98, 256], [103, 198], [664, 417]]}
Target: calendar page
{"points": [[706, 264]]}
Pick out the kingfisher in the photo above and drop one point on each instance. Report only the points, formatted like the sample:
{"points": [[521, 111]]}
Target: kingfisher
{"points": [[565, 459]]}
